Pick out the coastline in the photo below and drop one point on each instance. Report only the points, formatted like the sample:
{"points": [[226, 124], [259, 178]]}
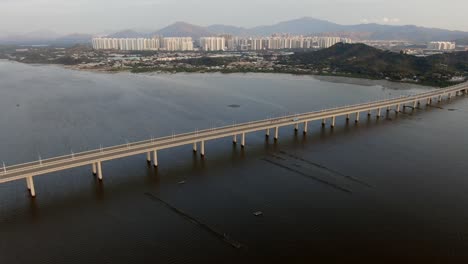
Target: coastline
{"points": [[338, 78]]}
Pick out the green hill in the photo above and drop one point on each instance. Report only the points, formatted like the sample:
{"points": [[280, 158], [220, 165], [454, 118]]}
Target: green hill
{"points": [[360, 60]]}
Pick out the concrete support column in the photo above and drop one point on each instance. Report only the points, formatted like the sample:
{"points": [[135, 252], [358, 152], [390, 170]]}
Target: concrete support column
{"points": [[388, 108], [148, 157], [449, 95], [276, 133], [369, 113], [267, 133], [398, 108], [324, 122], [94, 169], [195, 149], [440, 98], [305, 127], [99, 170], [30, 183], [415, 104], [296, 127], [333, 119], [202, 148], [155, 157], [347, 117], [243, 140], [234, 139], [379, 112], [429, 101], [357, 117]]}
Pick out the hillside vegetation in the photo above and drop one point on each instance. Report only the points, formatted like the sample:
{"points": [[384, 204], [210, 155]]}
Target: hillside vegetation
{"points": [[363, 61]]}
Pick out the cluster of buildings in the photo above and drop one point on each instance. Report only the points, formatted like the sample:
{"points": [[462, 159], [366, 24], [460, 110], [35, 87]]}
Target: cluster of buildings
{"points": [[220, 43], [268, 43], [279, 43], [138, 44], [441, 45]]}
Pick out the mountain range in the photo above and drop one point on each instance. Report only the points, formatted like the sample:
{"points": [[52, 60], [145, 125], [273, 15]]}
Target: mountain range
{"points": [[301, 26]]}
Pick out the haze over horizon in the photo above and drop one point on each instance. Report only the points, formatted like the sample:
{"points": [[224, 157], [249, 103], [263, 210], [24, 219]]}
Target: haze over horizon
{"points": [[86, 16]]}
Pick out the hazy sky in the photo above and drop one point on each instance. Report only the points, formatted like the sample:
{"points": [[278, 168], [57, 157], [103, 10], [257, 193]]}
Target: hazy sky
{"points": [[94, 16]]}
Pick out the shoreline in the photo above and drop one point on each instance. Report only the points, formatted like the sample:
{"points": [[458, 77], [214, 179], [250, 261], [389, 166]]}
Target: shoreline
{"points": [[338, 78]]}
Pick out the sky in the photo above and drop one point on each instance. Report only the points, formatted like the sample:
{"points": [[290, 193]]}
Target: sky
{"points": [[100, 16]]}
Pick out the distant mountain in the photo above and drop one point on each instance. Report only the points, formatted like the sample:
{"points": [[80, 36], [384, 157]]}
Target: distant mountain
{"points": [[182, 29], [310, 26], [127, 34], [408, 32], [302, 26], [73, 39], [232, 30]]}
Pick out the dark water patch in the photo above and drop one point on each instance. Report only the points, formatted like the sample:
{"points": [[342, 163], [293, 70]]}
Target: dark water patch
{"points": [[221, 236], [234, 106], [320, 166], [452, 109], [330, 184]]}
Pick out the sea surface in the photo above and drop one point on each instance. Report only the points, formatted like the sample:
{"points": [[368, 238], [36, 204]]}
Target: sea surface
{"points": [[389, 190]]}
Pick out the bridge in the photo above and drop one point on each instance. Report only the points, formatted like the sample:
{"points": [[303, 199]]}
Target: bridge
{"points": [[197, 139]]}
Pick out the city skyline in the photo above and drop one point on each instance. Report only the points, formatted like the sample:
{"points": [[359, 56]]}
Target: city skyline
{"points": [[85, 16]]}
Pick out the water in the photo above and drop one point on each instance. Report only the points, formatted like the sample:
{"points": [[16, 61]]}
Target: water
{"points": [[393, 189]]}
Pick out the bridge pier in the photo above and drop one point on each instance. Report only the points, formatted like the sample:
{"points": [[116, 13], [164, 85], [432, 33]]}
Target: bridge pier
{"points": [[155, 157], [324, 122], [276, 133], [439, 99], [388, 109], [267, 133], [449, 96], [243, 141], [234, 139], [398, 108], [347, 117], [94, 169], [296, 127], [357, 117], [202, 148], [379, 112], [195, 147], [305, 127], [415, 104], [333, 119], [148, 157], [429, 101], [99, 170], [30, 184], [369, 113]]}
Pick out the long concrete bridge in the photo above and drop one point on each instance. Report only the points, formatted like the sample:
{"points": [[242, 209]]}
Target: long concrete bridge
{"points": [[197, 139]]}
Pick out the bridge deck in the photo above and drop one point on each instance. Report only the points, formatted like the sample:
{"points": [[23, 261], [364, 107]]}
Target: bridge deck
{"points": [[35, 168]]}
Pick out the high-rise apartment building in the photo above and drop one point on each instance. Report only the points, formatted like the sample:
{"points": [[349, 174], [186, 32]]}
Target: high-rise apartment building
{"points": [[213, 43], [135, 44], [441, 45]]}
